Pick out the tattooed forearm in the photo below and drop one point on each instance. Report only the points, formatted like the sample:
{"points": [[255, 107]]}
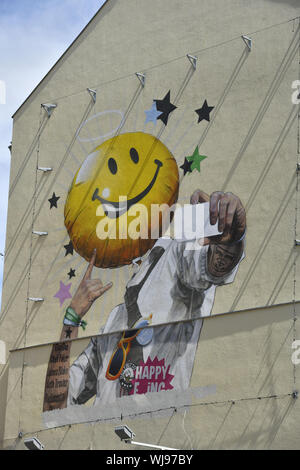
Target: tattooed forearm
{"points": [[57, 379], [223, 258]]}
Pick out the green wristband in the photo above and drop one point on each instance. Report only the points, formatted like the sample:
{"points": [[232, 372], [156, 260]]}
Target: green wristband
{"points": [[73, 319]]}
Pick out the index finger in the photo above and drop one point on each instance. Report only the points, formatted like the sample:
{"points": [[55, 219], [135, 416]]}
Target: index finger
{"points": [[90, 266], [199, 196]]}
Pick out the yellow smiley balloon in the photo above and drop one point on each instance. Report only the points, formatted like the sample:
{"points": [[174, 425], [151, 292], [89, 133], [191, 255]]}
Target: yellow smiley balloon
{"points": [[114, 195]]}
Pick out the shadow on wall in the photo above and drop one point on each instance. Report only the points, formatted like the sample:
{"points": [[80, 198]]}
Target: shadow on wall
{"points": [[293, 3]]}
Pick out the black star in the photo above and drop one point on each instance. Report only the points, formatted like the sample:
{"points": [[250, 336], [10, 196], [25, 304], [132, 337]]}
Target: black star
{"points": [[203, 113], [71, 273], [165, 107], [68, 333], [187, 166], [53, 201], [69, 249]]}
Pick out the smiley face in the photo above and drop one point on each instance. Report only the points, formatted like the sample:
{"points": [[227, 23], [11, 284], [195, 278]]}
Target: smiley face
{"points": [[123, 174]]}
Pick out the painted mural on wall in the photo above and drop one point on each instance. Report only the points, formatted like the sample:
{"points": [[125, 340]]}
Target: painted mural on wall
{"points": [[119, 210]]}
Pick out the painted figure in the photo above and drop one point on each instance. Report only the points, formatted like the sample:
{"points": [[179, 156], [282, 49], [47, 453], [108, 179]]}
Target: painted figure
{"points": [[173, 284]]}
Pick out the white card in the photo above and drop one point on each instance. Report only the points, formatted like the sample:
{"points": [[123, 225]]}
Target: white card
{"points": [[191, 222]]}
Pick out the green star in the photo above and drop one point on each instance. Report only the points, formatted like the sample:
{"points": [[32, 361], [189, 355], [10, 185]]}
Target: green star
{"points": [[196, 158]]}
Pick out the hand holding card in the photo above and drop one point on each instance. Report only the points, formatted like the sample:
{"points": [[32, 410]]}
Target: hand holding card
{"points": [[192, 222], [227, 211]]}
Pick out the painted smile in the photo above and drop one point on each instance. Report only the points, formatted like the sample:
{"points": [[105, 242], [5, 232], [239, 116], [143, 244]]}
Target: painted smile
{"points": [[113, 210]]}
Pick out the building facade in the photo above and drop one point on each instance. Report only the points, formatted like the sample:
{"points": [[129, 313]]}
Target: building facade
{"points": [[152, 102]]}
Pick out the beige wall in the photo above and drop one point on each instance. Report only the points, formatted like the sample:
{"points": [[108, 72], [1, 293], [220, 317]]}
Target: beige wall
{"points": [[241, 394], [251, 145]]}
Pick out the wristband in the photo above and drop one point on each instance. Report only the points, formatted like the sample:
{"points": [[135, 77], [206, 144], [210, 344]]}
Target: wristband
{"points": [[72, 319]]}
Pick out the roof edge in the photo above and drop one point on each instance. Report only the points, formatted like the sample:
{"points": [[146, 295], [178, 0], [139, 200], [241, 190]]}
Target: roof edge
{"points": [[60, 58]]}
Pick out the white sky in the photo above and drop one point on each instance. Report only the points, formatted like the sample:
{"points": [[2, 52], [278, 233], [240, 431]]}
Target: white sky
{"points": [[33, 35]]}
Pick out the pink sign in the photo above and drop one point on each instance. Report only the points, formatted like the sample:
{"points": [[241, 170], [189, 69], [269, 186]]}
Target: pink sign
{"points": [[151, 376]]}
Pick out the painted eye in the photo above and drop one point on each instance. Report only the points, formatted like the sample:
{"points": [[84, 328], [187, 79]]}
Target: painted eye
{"points": [[134, 155], [112, 165]]}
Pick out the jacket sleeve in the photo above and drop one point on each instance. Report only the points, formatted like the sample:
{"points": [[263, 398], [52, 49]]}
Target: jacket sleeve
{"points": [[83, 375], [191, 266]]}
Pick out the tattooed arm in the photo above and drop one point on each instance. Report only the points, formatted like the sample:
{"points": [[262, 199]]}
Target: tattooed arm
{"points": [[225, 250], [57, 379]]}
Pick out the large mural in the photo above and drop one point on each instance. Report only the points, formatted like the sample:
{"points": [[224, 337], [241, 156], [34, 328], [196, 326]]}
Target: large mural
{"points": [[122, 208]]}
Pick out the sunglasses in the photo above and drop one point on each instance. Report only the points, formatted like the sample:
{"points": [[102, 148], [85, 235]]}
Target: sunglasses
{"points": [[118, 359], [119, 356]]}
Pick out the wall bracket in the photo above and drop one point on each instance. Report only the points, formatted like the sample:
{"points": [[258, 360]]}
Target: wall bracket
{"points": [[49, 108], [247, 41], [93, 94], [142, 78], [40, 234], [45, 170], [193, 60]]}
